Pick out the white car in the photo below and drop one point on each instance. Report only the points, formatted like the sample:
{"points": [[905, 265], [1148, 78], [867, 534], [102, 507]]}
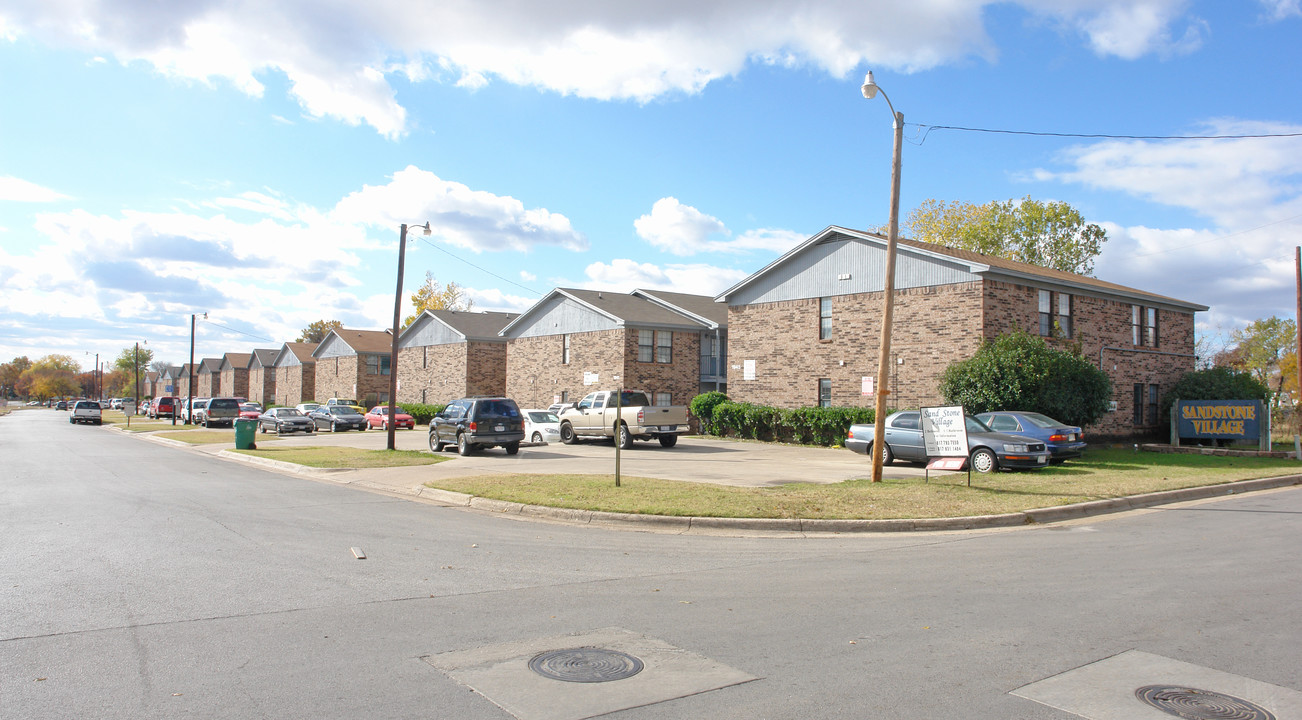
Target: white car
{"points": [[306, 408], [541, 426]]}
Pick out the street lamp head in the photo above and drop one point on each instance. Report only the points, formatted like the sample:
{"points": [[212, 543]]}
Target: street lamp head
{"points": [[427, 229], [869, 88]]}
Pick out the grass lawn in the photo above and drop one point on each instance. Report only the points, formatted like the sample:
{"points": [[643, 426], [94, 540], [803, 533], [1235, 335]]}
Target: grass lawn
{"points": [[346, 457], [201, 436], [1103, 473]]}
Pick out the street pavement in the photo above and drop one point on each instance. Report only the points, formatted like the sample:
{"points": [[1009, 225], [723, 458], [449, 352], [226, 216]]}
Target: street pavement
{"points": [[142, 581]]}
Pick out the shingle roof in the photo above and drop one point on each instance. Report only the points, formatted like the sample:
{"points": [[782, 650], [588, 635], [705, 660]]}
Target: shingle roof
{"points": [[264, 357], [701, 305], [366, 341], [302, 351], [475, 325], [209, 365], [632, 309], [237, 360]]}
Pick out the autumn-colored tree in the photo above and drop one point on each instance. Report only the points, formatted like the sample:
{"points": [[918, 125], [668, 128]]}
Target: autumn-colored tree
{"points": [[1262, 344], [10, 373], [52, 376], [316, 331], [436, 296], [1052, 235]]}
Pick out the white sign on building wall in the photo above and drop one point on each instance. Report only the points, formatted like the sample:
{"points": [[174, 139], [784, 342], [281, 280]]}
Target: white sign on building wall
{"points": [[748, 370], [867, 385], [590, 378]]}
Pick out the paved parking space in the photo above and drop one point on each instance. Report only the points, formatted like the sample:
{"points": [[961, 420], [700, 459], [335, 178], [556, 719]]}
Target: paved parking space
{"points": [[694, 459]]}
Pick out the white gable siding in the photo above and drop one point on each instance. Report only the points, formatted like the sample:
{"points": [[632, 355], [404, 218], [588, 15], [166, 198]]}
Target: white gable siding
{"points": [[429, 331], [332, 346], [817, 271], [561, 315]]}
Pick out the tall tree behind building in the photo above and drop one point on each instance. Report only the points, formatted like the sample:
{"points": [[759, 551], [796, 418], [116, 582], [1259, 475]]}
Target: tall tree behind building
{"points": [[1052, 235], [435, 296], [316, 331]]}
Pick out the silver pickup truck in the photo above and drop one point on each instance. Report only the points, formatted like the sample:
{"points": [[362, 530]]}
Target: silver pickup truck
{"points": [[86, 411], [594, 416]]}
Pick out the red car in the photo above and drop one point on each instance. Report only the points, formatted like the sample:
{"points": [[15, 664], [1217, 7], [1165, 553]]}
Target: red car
{"points": [[250, 410], [378, 418]]}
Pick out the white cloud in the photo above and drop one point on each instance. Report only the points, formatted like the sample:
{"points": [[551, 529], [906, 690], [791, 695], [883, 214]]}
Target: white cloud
{"points": [[683, 230], [1281, 9], [18, 190], [472, 219], [337, 55], [623, 275], [527, 276]]}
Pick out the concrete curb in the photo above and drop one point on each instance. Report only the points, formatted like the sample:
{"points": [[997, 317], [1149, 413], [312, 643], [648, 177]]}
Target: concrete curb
{"points": [[278, 464]]}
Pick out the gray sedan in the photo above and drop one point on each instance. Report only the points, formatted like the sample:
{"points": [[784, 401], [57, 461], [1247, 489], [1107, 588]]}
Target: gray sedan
{"points": [[284, 420], [987, 450]]}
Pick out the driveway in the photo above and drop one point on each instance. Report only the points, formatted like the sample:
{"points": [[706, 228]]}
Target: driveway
{"points": [[694, 459]]}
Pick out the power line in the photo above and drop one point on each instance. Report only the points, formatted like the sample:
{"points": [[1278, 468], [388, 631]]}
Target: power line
{"points": [[483, 270], [1100, 136], [1218, 237], [255, 337]]}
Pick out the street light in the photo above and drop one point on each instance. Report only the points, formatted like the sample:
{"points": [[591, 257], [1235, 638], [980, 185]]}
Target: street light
{"points": [[870, 90], [189, 411], [397, 316]]}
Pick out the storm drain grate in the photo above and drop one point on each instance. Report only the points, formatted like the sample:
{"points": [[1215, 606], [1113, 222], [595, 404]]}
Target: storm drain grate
{"points": [[1194, 704], [585, 665]]}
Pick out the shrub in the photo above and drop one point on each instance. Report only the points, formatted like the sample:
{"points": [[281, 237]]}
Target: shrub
{"points": [[702, 407], [1218, 383], [1021, 372], [421, 412], [807, 425]]}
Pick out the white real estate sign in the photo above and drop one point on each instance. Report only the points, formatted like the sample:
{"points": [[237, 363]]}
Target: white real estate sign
{"points": [[944, 431]]}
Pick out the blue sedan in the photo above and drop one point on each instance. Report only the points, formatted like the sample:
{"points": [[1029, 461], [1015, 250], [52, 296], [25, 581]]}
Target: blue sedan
{"points": [[1064, 441]]}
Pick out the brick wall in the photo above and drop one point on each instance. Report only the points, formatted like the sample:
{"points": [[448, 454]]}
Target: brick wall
{"points": [[931, 327], [234, 383], [433, 374], [680, 378], [486, 368], [337, 377], [203, 384], [262, 385], [535, 374], [295, 384]]}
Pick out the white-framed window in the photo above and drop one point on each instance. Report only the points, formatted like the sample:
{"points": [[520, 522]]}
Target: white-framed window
{"points": [[825, 318], [565, 349], [1064, 314], [825, 392], [645, 345], [663, 399], [1143, 326], [664, 346]]}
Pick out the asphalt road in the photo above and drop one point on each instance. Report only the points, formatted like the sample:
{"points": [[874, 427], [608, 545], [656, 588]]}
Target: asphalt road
{"points": [[144, 581]]}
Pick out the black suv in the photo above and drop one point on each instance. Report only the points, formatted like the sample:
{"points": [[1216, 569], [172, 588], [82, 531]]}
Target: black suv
{"points": [[478, 422]]}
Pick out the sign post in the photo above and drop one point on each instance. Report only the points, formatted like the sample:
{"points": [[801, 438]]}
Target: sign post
{"points": [[944, 435]]}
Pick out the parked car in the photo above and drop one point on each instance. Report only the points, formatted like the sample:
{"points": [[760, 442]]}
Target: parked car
{"points": [[637, 419], [347, 402], [338, 418], [476, 423], [190, 408], [558, 407], [144, 407], [217, 412], [285, 420], [1064, 441], [541, 426], [61, 405], [987, 450], [378, 417], [165, 406], [250, 410], [306, 408], [86, 411]]}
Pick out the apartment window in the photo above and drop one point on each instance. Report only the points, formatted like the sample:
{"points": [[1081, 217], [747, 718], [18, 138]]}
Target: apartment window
{"points": [[1143, 325], [377, 364], [825, 392], [663, 400], [645, 345], [1046, 313], [664, 347], [1138, 407], [825, 318], [1152, 404], [423, 399], [709, 354], [1064, 314], [565, 349], [424, 356]]}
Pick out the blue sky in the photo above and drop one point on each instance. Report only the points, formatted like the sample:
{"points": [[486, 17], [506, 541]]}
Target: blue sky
{"points": [[254, 160]]}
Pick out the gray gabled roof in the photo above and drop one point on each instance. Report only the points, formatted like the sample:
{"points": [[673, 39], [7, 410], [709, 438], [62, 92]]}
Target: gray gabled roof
{"points": [[621, 309], [236, 360], [300, 350], [473, 325], [262, 358], [976, 263], [702, 308], [209, 365], [359, 341]]}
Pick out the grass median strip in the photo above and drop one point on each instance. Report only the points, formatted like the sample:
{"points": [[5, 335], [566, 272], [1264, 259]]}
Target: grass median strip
{"points": [[203, 437], [1100, 475], [345, 457]]}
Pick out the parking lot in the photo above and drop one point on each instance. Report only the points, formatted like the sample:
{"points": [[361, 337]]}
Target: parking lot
{"points": [[694, 459]]}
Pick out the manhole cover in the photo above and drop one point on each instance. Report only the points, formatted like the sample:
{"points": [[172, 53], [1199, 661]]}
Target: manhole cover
{"points": [[585, 665], [1194, 704]]}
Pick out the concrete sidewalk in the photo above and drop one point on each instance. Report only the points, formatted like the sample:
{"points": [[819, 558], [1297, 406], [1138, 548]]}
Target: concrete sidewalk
{"points": [[695, 459]]}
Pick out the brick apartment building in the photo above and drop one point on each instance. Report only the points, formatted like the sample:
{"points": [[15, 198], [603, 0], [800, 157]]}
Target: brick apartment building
{"points": [[235, 375], [572, 342], [208, 377], [262, 376], [295, 374], [447, 354], [354, 364], [805, 330]]}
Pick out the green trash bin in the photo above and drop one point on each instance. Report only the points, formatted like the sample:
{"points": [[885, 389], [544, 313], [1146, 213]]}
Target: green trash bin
{"points": [[244, 429]]}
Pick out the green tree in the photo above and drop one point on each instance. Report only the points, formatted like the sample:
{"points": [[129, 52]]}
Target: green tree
{"points": [[1262, 344], [130, 360], [436, 296], [1019, 371], [316, 331], [1053, 234]]}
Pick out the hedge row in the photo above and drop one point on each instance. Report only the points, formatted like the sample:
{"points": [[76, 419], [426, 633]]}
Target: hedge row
{"points": [[806, 426], [421, 412]]}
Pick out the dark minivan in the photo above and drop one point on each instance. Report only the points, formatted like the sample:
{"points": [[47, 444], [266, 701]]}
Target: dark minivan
{"points": [[478, 422]]}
